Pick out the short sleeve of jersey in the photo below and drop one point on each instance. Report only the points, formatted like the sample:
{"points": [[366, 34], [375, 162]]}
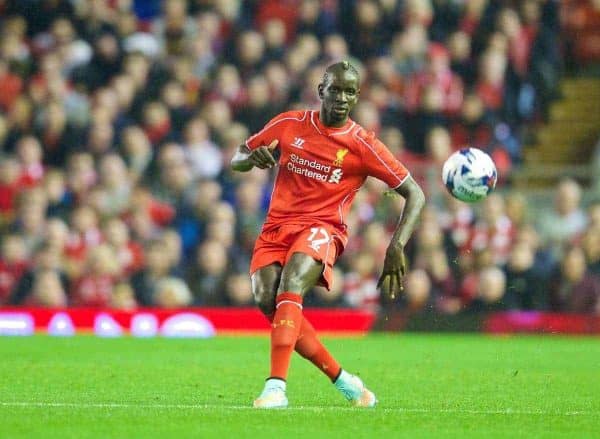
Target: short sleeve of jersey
{"points": [[379, 162], [272, 130]]}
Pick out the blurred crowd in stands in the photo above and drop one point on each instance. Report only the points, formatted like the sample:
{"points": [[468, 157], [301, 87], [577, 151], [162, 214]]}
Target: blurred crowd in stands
{"points": [[119, 118]]}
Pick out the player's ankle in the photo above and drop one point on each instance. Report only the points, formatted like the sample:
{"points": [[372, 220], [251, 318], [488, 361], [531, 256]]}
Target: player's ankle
{"points": [[337, 376], [341, 376], [275, 383]]}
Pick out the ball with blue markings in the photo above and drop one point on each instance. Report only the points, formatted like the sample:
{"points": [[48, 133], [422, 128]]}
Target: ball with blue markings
{"points": [[469, 175]]}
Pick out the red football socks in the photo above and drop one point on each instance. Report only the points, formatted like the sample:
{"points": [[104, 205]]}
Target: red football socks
{"points": [[310, 347], [284, 332]]}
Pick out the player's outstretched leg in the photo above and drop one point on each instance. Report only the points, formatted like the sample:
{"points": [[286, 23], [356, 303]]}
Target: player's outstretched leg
{"points": [[310, 347], [352, 387], [284, 333]]}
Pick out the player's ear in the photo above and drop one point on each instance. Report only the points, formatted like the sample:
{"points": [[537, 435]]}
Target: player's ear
{"points": [[320, 90]]}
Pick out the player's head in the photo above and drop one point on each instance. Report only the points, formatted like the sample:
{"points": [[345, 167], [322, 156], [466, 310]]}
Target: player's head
{"points": [[338, 92]]}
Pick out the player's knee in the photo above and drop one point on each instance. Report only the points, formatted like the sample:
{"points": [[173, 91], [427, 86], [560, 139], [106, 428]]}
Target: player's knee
{"points": [[292, 283], [300, 274], [265, 300]]}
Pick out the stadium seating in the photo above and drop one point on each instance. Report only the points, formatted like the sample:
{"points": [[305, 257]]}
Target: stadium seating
{"points": [[118, 121]]}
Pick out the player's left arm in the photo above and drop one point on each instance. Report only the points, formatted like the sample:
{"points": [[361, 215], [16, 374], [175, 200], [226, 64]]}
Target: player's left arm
{"points": [[394, 265], [381, 163]]}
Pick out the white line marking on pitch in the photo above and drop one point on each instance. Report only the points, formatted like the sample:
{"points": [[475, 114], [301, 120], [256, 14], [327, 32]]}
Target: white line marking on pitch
{"points": [[118, 405]]}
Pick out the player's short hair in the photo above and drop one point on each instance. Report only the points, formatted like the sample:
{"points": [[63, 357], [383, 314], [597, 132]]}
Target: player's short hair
{"points": [[340, 66]]}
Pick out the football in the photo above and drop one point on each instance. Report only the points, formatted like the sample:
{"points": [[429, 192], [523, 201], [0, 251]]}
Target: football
{"points": [[469, 174]]}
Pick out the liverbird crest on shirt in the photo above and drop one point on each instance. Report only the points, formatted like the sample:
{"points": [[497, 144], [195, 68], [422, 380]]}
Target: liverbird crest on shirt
{"points": [[339, 156]]}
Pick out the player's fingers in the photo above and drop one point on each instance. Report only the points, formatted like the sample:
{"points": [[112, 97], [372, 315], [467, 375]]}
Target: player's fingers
{"points": [[259, 154], [269, 156], [273, 144], [391, 288], [258, 161], [261, 159], [403, 265], [270, 159], [265, 155], [397, 284]]}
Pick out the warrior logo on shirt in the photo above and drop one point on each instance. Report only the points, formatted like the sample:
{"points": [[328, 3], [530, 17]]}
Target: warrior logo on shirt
{"points": [[339, 157], [298, 142]]}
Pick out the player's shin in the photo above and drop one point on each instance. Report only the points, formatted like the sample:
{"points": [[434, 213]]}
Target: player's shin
{"points": [[310, 347], [285, 328]]}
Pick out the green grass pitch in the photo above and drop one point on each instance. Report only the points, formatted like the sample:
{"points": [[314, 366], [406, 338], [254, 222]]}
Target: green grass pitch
{"points": [[430, 386]]}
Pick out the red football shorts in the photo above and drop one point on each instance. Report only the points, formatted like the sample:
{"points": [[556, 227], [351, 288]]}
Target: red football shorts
{"points": [[278, 244]]}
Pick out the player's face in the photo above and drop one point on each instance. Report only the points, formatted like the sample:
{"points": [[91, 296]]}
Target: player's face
{"points": [[339, 94]]}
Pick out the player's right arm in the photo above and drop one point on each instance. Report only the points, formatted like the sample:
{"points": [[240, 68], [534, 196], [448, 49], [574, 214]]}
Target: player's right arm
{"points": [[261, 157]]}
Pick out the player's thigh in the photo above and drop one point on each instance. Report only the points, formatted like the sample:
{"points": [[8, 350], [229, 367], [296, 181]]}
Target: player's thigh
{"points": [[300, 273], [265, 281]]}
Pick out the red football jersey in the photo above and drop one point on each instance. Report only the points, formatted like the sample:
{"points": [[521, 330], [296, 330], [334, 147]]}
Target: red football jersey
{"points": [[321, 168]]}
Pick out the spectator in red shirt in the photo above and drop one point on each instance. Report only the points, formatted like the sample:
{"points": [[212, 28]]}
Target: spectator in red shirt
{"points": [[10, 86], [13, 263], [9, 188], [29, 153], [129, 254], [473, 13], [94, 288], [471, 127], [490, 86], [436, 74]]}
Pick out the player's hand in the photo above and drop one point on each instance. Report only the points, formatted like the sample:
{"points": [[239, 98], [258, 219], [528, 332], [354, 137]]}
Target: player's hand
{"points": [[262, 156], [394, 269]]}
